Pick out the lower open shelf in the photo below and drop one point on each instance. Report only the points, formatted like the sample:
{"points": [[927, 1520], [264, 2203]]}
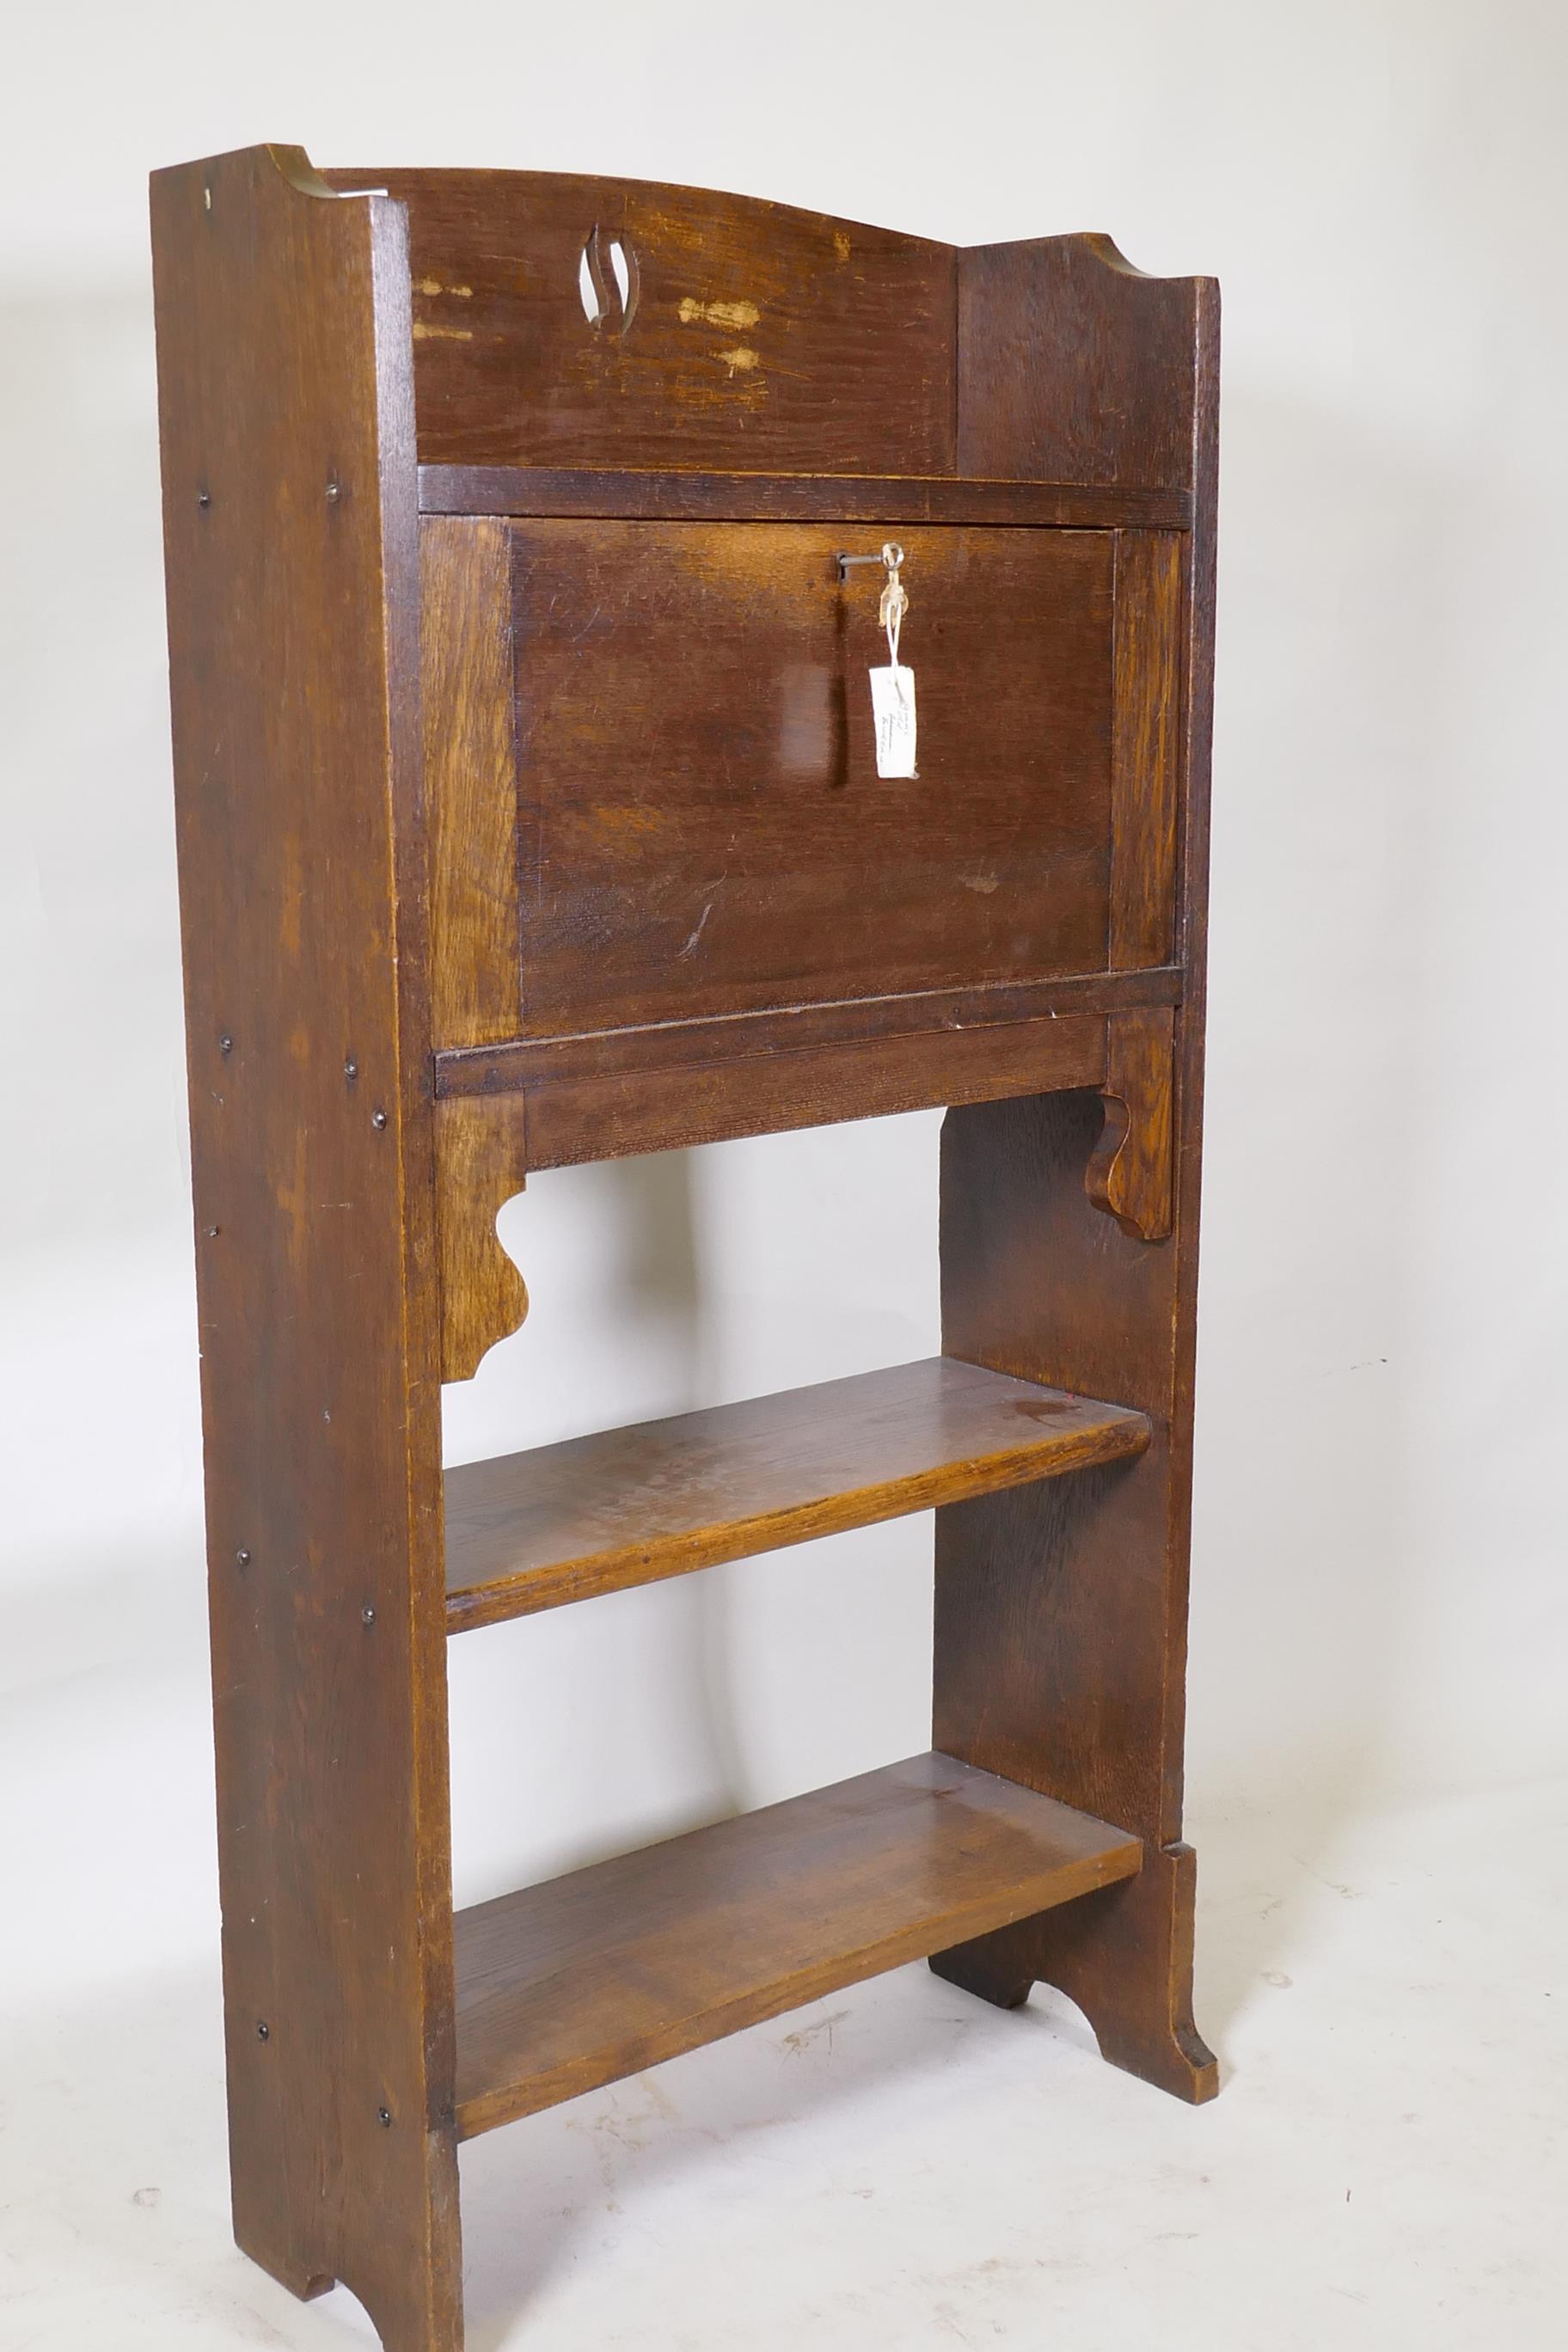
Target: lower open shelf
{"points": [[567, 1986]]}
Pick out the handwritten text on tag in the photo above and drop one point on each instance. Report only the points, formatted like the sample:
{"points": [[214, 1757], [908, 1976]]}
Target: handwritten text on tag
{"points": [[894, 711]]}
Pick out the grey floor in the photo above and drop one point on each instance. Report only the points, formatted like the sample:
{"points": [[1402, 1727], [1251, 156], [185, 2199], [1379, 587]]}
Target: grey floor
{"points": [[901, 2166]]}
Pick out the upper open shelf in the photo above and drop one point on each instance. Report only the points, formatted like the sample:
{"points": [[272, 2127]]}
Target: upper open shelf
{"points": [[630, 1506]]}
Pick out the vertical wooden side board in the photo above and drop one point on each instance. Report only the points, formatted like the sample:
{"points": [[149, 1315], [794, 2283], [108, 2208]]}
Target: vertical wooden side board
{"points": [[291, 539], [1060, 1639]]}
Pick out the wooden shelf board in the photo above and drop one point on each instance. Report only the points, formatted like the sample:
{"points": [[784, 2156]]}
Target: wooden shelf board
{"points": [[627, 1506], [567, 1986]]}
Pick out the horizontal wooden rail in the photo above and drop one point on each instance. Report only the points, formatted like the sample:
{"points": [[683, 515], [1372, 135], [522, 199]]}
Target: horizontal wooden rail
{"points": [[638, 496], [576, 1983], [734, 1037]]}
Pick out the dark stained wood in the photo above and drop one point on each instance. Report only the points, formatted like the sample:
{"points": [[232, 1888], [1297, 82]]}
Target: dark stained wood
{"points": [[645, 495], [478, 1171], [1130, 1173], [470, 778], [1145, 768], [664, 1110], [1062, 1610], [666, 900], [487, 1145], [790, 1029], [290, 534], [703, 828], [1125, 1958], [1074, 366], [570, 1985], [761, 337], [627, 1506]]}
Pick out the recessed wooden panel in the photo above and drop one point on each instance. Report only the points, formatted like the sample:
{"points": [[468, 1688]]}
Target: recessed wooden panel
{"points": [[566, 1986], [630, 1506], [750, 334], [703, 828]]}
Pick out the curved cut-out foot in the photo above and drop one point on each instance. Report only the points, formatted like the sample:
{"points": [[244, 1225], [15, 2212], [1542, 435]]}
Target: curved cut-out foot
{"points": [[480, 1165], [1124, 1955], [1130, 1173], [410, 2290], [307, 2285]]}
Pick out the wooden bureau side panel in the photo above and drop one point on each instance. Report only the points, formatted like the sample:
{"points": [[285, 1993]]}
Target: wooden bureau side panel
{"points": [[290, 534], [470, 775], [759, 337], [1145, 772], [1061, 1612], [703, 829], [1073, 366]]}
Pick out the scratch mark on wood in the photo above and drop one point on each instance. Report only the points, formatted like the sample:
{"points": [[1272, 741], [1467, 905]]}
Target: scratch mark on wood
{"points": [[697, 934]]}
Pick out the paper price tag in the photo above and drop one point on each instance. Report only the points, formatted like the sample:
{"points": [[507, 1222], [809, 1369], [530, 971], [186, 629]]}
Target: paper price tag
{"points": [[893, 712]]}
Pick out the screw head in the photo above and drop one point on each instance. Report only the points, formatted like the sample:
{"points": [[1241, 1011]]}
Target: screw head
{"points": [[378, 1119], [368, 1614], [212, 1232], [351, 1071], [384, 2117], [225, 1044], [242, 1558], [335, 490], [263, 2032]]}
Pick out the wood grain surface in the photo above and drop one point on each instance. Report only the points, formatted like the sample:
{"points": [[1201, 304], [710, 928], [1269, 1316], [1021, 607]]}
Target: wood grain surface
{"points": [[1130, 1170], [761, 336], [629, 1505], [670, 901], [291, 543], [1061, 1608], [644, 494], [569, 1985], [1074, 366], [703, 828], [798, 1028], [1145, 764], [468, 694]]}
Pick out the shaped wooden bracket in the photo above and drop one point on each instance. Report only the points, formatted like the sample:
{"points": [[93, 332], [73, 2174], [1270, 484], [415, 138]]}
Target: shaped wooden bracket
{"points": [[1130, 1172], [480, 1163]]}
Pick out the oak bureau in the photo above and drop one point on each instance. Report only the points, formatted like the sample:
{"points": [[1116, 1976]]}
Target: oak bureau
{"points": [[530, 540]]}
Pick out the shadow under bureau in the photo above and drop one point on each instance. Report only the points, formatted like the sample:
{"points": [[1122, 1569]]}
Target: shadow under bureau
{"points": [[529, 813]]}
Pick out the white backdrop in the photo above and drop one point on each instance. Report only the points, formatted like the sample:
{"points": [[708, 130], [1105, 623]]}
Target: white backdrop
{"points": [[1379, 1544]]}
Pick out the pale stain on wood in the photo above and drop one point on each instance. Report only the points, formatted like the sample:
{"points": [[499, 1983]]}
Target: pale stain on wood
{"points": [[738, 316]]}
